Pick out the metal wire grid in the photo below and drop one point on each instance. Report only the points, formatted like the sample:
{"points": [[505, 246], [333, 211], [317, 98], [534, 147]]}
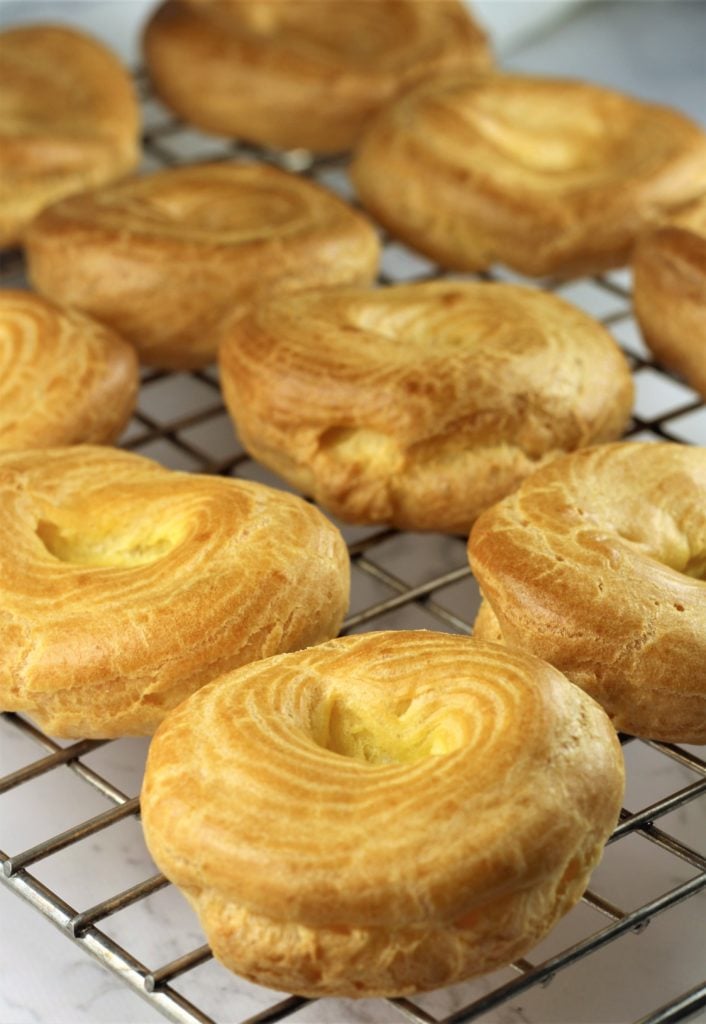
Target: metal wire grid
{"points": [[181, 422]]}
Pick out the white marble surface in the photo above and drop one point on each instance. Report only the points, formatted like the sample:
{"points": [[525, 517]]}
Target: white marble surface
{"points": [[652, 49]]}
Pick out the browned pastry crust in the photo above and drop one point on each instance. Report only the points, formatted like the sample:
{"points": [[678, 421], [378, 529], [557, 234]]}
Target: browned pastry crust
{"points": [[290, 74], [125, 586], [161, 259], [548, 176], [669, 293], [384, 813], [419, 405], [598, 565], [68, 120], [63, 378]]}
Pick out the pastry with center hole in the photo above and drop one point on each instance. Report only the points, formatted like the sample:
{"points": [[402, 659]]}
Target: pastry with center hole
{"points": [[125, 586], [548, 176], [291, 74], [598, 565], [419, 405], [68, 120], [64, 378], [384, 813], [162, 258], [669, 293]]}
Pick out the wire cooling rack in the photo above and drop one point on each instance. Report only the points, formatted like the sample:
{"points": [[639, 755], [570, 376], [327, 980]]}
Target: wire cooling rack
{"points": [[602, 961]]}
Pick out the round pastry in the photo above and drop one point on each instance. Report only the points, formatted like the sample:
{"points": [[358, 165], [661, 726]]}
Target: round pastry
{"points": [[68, 120], [125, 586], [162, 258], [419, 405], [598, 565], [669, 293], [384, 813], [307, 75], [63, 378], [548, 176]]}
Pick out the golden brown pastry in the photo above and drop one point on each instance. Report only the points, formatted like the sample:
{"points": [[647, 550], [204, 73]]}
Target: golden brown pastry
{"points": [[161, 259], [63, 378], [125, 586], [384, 813], [548, 176], [309, 74], [598, 565], [68, 120], [669, 293], [419, 405]]}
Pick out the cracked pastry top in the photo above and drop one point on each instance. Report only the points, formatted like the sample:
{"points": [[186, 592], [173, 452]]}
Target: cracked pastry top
{"points": [[163, 258], [384, 813], [302, 75], [125, 586], [64, 379], [419, 405], [69, 120], [669, 292], [598, 565], [548, 176]]}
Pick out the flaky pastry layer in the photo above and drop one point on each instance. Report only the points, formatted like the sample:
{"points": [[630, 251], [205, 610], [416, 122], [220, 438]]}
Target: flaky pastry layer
{"points": [[383, 813], [669, 293], [68, 120], [64, 379], [419, 405], [549, 176], [125, 586], [308, 74], [162, 258], [598, 565]]}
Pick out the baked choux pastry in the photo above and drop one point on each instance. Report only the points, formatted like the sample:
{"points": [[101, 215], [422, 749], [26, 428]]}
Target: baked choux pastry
{"points": [[68, 120], [419, 405], [598, 565], [548, 176], [669, 293], [268, 799], [125, 586], [162, 258], [287, 73], [63, 378]]}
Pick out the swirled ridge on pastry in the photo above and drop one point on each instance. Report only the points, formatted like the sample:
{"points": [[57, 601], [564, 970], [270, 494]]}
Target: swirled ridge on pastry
{"points": [[548, 176], [291, 74], [419, 405], [125, 586], [669, 293], [162, 258], [68, 120], [63, 378], [598, 565], [383, 813]]}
